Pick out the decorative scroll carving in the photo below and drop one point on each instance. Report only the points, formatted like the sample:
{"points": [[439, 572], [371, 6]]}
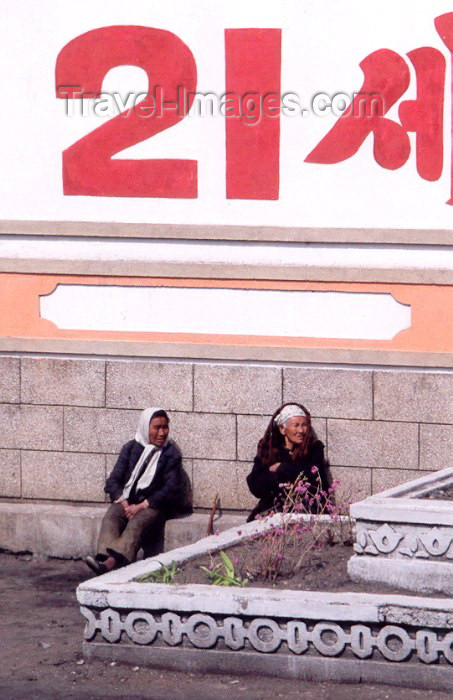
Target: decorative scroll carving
{"points": [[265, 635], [385, 539], [420, 545]]}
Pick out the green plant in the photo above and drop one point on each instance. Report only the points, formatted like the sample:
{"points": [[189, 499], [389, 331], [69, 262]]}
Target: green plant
{"points": [[165, 574], [223, 573]]}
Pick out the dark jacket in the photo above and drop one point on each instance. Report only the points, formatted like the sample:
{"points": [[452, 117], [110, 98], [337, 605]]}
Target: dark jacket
{"points": [[166, 491], [264, 484]]}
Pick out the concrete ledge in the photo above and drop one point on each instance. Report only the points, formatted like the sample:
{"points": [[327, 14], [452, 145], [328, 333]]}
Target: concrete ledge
{"points": [[71, 531], [303, 668], [421, 576], [229, 232], [406, 540], [346, 637]]}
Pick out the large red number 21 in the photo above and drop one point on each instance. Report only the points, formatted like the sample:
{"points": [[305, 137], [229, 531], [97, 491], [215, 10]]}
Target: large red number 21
{"points": [[253, 64]]}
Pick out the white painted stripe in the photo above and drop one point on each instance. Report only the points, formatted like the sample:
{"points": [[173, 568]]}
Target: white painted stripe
{"points": [[291, 254], [226, 312]]}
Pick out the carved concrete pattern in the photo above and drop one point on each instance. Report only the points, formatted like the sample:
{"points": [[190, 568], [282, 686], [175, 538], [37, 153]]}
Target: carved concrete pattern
{"points": [[265, 635], [420, 545]]}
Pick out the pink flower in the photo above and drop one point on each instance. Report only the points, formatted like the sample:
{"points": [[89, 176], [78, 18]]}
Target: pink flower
{"points": [[217, 533], [314, 469]]}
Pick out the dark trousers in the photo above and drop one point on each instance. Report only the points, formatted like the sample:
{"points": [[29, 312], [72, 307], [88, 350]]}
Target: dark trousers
{"points": [[122, 538]]}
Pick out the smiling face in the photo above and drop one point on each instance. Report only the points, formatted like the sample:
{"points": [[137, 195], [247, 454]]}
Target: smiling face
{"points": [[158, 431], [294, 431]]}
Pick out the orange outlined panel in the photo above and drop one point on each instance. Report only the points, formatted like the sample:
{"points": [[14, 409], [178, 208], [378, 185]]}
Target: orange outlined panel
{"points": [[431, 309]]}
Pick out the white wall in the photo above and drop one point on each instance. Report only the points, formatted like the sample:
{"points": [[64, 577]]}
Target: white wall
{"points": [[323, 43]]}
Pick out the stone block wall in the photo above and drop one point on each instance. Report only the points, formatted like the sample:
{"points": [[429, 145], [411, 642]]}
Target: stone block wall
{"points": [[63, 421]]}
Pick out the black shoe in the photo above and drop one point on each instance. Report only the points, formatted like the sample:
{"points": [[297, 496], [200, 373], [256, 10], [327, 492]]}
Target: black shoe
{"points": [[97, 566]]}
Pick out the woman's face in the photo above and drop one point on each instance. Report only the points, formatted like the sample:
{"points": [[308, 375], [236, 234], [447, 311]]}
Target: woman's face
{"points": [[158, 431], [294, 431]]}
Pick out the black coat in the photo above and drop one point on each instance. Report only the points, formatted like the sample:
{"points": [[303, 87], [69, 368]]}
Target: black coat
{"points": [[166, 491], [264, 484]]}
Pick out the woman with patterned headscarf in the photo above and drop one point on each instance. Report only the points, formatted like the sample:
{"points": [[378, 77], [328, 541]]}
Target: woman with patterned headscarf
{"points": [[146, 487], [289, 449]]}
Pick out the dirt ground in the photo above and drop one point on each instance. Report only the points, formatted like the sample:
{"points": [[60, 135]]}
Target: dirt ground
{"points": [[323, 569], [40, 640]]}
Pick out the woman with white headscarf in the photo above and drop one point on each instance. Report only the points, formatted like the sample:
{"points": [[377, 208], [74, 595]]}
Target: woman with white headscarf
{"points": [[289, 449], [145, 487]]}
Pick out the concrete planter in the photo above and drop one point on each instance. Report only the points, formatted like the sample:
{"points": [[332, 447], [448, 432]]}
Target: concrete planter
{"points": [[293, 634], [405, 539]]}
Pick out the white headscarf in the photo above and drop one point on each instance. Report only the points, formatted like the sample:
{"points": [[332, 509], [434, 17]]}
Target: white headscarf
{"points": [[142, 437], [142, 434], [290, 411]]}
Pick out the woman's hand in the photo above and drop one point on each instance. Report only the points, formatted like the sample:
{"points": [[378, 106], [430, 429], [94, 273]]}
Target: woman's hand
{"points": [[132, 510], [274, 467]]}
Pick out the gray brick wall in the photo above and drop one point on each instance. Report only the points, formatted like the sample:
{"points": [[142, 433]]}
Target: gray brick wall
{"points": [[62, 422]]}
